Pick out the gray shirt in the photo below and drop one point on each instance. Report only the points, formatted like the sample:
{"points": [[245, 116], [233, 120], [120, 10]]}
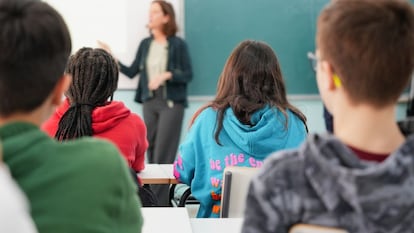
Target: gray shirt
{"points": [[157, 59], [325, 183]]}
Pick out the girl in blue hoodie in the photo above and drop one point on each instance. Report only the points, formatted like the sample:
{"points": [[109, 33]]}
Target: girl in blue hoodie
{"points": [[249, 118]]}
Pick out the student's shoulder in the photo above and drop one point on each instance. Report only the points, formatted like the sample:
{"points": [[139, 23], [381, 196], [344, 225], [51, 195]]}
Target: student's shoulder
{"points": [[135, 124], [297, 160], [285, 167], [88, 150], [293, 116], [284, 160], [296, 120], [97, 159], [136, 119], [99, 156], [208, 114]]}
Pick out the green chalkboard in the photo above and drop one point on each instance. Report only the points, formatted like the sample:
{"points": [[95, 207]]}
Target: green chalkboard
{"points": [[214, 27]]}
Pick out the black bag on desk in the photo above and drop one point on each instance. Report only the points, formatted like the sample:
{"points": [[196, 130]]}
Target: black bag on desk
{"points": [[145, 194]]}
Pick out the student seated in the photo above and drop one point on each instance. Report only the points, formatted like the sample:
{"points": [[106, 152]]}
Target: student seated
{"points": [[249, 118], [361, 178], [76, 186], [89, 110]]}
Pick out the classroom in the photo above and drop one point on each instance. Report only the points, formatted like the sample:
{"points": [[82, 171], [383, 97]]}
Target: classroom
{"points": [[210, 38], [212, 30]]}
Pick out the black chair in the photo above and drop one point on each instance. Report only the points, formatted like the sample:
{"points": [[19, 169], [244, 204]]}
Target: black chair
{"points": [[180, 195], [407, 125], [145, 194]]}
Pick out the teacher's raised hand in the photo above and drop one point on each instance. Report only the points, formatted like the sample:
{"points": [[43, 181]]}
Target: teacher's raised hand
{"points": [[104, 46]]}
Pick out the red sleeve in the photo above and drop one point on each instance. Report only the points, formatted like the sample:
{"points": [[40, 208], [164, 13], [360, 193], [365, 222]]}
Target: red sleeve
{"points": [[50, 125], [142, 145]]}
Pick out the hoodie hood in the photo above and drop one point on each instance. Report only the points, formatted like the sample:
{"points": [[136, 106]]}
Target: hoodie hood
{"points": [[104, 117], [259, 139], [201, 161]]}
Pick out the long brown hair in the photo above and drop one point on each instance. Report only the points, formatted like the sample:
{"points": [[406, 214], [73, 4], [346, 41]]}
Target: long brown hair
{"points": [[250, 80], [170, 28]]}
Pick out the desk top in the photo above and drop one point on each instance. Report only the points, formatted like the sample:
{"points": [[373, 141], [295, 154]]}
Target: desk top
{"points": [[216, 225], [176, 220], [169, 171], [157, 174], [153, 174], [165, 219]]}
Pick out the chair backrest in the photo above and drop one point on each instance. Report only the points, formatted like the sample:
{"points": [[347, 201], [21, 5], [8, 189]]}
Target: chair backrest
{"points": [[236, 181], [309, 228], [410, 102]]}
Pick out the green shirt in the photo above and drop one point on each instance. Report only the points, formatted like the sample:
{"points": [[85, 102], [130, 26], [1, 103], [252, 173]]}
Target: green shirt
{"points": [[77, 186]]}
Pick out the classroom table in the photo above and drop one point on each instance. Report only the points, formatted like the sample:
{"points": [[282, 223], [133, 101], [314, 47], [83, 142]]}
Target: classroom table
{"points": [[165, 220], [169, 171], [216, 225], [153, 174], [176, 220], [157, 174]]}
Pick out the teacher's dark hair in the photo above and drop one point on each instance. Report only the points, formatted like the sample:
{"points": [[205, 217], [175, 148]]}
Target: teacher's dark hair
{"points": [[94, 81], [34, 47]]}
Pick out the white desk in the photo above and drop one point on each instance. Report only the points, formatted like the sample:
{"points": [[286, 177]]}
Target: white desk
{"points": [[216, 225], [153, 174], [165, 220], [169, 171], [157, 174], [176, 220]]}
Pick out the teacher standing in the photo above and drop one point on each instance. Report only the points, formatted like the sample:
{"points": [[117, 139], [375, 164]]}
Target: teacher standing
{"points": [[164, 66]]}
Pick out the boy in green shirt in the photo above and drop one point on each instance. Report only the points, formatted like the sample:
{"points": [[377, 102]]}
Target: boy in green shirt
{"points": [[76, 186]]}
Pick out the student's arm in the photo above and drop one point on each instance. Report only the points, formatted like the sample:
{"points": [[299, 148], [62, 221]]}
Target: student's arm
{"points": [[142, 145], [184, 165], [269, 201]]}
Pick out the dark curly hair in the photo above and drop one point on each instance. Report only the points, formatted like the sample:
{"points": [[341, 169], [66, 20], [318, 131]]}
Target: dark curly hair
{"points": [[94, 81]]}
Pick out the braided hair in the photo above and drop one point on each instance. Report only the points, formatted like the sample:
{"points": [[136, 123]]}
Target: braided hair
{"points": [[94, 81]]}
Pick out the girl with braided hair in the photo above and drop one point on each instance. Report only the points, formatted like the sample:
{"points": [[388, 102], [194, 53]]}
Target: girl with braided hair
{"points": [[89, 110], [164, 67]]}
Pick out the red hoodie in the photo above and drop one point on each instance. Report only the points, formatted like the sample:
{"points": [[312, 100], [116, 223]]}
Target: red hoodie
{"points": [[116, 123]]}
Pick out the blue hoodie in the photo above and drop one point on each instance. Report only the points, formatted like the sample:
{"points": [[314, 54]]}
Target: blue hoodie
{"points": [[201, 161]]}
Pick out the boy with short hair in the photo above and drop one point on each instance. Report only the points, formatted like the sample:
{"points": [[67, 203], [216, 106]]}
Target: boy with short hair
{"points": [[359, 179], [77, 186]]}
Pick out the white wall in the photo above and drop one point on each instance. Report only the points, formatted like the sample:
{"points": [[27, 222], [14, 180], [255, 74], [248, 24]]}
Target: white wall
{"points": [[119, 23]]}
